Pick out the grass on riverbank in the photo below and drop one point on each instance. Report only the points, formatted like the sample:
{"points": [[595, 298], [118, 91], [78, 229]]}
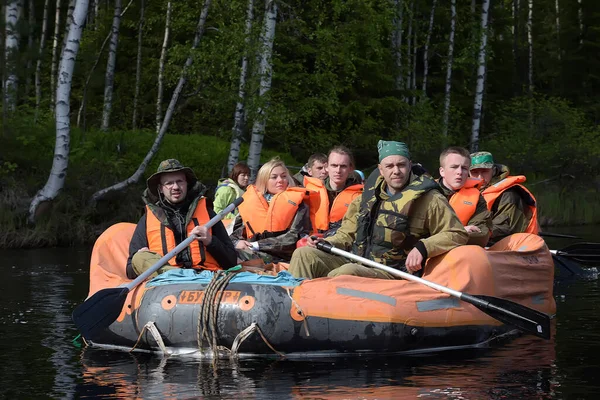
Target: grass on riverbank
{"points": [[97, 160]]}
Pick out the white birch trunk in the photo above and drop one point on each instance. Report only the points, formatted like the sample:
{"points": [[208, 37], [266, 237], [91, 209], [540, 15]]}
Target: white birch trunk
{"points": [[473, 6], [481, 74], [12, 16], [413, 84], [81, 111], [408, 46], [449, 68], [557, 7], [54, 54], [60, 162], [70, 9], [161, 68], [109, 78], [138, 68], [38, 66], [238, 118], [30, 44], [515, 50], [580, 20], [397, 41], [265, 72], [426, 49], [168, 115], [530, 46]]}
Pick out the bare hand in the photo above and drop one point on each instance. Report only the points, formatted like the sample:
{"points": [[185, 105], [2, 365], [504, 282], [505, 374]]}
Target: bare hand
{"points": [[472, 229], [203, 234], [143, 249], [243, 245], [311, 241], [414, 260]]}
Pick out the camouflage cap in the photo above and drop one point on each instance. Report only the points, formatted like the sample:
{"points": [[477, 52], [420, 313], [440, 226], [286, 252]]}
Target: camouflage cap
{"points": [[169, 165], [482, 159]]}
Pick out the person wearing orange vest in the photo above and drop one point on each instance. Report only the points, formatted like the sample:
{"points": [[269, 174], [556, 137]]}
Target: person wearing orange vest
{"points": [[274, 215], [176, 209], [335, 193], [513, 206], [463, 194], [315, 167]]}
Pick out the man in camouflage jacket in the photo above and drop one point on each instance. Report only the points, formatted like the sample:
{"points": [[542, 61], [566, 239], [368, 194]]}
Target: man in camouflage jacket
{"points": [[400, 220]]}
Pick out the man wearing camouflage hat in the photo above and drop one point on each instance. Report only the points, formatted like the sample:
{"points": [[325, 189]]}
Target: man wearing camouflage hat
{"points": [[513, 207], [400, 220], [176, 209]]}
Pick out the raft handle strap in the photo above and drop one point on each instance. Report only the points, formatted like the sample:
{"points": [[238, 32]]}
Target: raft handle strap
{"points": [[304, 316], [151, 327]]}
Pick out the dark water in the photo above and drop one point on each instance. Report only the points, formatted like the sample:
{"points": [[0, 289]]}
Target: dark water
{"points": [[38, 358]]}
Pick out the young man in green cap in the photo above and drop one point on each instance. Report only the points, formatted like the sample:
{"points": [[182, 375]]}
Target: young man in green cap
{"points": [[463, 194], [513, 207], [175, 209], [400, 220]]}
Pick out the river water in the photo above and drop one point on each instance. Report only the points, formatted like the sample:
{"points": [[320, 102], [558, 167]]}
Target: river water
{"points": [[39, 359]]}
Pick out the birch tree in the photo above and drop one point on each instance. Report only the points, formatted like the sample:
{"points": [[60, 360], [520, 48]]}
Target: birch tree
{"points": [[54, 53], [70, 8], [168, 114], [580, 20], [449, 63], [413, 83], [481, 74], [516, 6], [38, 64], [397, 41], [12, 16], [161, 67], [109, 78], [557, 8], [426, 48], [530, 46], [30, 44], [60, 161], [238, 118], [265, 71], [138, 67], [408, 45]]}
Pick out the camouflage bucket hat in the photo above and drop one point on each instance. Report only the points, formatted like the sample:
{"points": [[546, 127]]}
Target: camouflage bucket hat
{"points": [[482, 159], [170, 165]]}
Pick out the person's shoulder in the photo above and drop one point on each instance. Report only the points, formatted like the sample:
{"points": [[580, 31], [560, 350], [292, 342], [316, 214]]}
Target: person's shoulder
{"points": [[511, 195]]}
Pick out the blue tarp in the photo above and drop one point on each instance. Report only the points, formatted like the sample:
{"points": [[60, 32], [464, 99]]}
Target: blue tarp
{"points": [[180, 275]]}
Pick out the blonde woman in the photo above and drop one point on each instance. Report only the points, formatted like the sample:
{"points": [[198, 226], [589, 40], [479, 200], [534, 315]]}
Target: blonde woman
{"points": [[273, 214]]}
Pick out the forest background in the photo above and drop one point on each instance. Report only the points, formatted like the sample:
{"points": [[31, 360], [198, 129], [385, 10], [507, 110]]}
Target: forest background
{"points": [[96, 93]]}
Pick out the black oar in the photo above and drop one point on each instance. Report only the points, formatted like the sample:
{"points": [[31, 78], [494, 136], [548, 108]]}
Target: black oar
{"points": [[524, 318], [102, 309], [586, 253], [557, 235]]}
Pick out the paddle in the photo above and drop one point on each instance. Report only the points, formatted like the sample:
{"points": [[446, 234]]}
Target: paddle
{"points": [[100, 310], [524, 318], [557, 235], [585, 253]]}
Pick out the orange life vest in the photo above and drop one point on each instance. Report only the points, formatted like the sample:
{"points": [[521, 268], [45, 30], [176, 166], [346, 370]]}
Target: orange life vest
{"points": [[261, 217], [491, 193], [321, 216], [161, 239], [464, 202]]}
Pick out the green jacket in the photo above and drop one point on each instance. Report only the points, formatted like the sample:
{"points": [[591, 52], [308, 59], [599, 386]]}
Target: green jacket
{"points": [[482, 218], [509, 213], [431, 225], [227, 192]]}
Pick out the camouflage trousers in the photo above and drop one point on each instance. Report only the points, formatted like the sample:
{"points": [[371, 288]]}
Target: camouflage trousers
{"points": [[143, 260], [308, 262]]}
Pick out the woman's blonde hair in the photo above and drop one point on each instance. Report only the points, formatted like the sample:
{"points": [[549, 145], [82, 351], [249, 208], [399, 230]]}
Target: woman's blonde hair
{"points": [[264, 173]]}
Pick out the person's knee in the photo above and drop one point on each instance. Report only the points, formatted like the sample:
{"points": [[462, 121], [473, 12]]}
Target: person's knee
{"points": [[303, 262], [346, 269], [142, 260]]}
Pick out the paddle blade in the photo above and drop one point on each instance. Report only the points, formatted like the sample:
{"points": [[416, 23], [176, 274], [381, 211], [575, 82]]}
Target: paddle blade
{"points": [[99, 311], [523, 318], [585, 253]]}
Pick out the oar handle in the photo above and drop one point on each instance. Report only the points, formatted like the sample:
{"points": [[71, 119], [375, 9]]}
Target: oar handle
{"points": [[144, 275], [329, 248]]}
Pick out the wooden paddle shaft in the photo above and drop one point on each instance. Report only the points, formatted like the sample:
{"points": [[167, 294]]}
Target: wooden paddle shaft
{"points": [[329, 248], [165, 259]]}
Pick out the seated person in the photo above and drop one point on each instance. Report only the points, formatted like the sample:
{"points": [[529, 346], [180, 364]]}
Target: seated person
{"points": [[336, 192], [316, 167], [230, 189], [175, 209], [463, 194], [400, 220], [513, 207], [274, 216]]}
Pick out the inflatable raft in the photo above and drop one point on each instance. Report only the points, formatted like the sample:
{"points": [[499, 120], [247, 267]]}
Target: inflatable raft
{"points": [[186, 312]]}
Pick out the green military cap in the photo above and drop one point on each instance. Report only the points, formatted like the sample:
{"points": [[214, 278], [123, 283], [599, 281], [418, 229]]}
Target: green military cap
{"points": [[169, 165], [392, 148], [482, 159]]}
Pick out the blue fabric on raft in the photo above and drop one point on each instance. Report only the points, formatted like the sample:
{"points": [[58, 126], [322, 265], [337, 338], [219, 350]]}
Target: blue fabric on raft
{"points": [[180, 275]]}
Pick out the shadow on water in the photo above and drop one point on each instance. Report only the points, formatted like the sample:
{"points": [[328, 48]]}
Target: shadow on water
{"points": [[522, 368]]}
